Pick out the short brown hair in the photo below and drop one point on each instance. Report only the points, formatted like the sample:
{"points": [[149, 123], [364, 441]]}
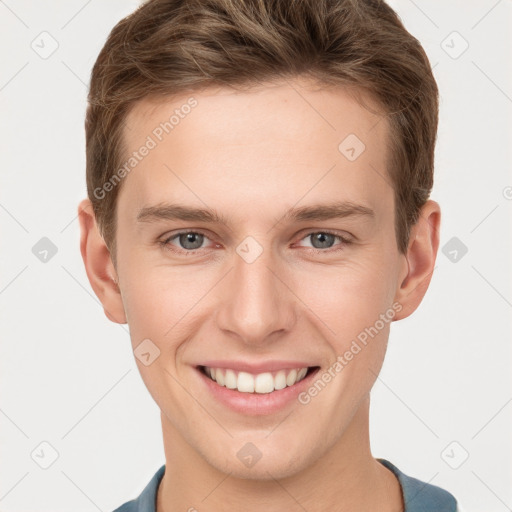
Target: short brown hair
{"points": [[168, 47]]}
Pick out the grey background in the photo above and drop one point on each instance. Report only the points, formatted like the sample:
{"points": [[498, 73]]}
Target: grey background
{"points": [[68, 376]]}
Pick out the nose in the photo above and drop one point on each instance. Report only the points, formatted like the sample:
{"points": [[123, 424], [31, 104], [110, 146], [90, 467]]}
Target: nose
{"points": [[256, 304]]}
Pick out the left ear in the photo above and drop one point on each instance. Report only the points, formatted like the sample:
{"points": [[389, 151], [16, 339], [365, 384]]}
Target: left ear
{"points": [[421, 258]]}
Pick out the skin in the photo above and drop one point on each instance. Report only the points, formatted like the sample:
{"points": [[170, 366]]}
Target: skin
{"points": [[251, 156]]}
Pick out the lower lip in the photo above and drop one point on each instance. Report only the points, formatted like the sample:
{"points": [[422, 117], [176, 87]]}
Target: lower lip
{"points": [[253, 404]]}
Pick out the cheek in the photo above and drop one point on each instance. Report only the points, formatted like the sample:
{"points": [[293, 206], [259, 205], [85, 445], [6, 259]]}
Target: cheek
{"points": [[352, 305], [347, 298], [160, 307], [151, 308], [160, 302]]}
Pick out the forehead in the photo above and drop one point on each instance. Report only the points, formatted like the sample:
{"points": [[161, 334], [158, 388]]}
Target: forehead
{"points": [[271, 144], [303, 107]]}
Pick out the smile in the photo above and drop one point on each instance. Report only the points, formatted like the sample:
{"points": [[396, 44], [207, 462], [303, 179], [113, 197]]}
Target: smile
{"points": [[266, 382]]}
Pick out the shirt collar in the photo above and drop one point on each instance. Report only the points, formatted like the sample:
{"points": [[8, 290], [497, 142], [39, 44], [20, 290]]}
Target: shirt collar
{"points": [[421, 496]]}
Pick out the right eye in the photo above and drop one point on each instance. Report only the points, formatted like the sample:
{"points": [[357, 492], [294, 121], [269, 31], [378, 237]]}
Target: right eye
{"points": [[189, 241]]}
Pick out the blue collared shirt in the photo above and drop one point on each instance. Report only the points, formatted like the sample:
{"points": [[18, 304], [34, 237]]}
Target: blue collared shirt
{"points": [[418, 496]]}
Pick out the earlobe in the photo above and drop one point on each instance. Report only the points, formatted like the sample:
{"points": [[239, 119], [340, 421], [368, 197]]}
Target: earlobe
{"points": [[98, 264], [420, 259]]}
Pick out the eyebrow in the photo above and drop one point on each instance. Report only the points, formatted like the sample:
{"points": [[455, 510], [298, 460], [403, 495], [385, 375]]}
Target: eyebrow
{"points": [[319, 212]]}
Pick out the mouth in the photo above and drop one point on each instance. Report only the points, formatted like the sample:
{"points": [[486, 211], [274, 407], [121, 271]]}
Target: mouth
{"points": [[260, 383]]}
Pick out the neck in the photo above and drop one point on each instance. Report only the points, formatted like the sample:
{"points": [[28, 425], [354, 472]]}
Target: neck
{"points": [[346, 478]]}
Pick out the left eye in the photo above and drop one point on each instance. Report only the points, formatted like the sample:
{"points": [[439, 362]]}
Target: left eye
{"points": [[324, 239]]}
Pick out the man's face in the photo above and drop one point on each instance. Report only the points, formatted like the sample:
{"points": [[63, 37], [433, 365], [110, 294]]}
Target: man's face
{"points": [[264, 291]]}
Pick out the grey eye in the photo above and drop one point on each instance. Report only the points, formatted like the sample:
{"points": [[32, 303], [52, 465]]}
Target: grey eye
{"points": [[191, 240], [322, 240]]}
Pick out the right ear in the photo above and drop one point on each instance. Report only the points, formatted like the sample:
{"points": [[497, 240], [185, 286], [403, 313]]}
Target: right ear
{"points": [[98, 264]]}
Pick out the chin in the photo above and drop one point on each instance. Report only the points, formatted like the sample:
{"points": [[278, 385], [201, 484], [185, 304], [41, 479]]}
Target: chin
{"points": [[259, 460]]}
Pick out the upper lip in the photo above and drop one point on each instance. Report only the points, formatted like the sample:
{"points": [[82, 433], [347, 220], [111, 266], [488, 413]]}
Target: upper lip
{"points": [[255, 368]]}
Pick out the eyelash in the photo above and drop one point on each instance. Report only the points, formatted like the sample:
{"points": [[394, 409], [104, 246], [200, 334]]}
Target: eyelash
{"points": [[167, 246]]}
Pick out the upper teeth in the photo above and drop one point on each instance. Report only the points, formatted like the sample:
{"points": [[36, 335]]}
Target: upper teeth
{"points": [[260, 383]]}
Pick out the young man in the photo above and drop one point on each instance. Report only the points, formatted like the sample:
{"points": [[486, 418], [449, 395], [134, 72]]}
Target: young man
{"points": [[258, 175]]}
